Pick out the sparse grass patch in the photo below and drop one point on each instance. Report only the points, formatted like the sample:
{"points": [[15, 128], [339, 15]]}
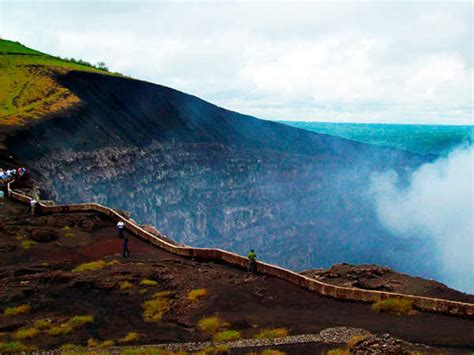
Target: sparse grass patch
{"points": [[79, 321], [113, 262], [28, 244], [92, 343], [226, 335], [26, 333], [272, 352], [156, 307], [42, 324], [212, 325], [147, 282], [148, 351], [15, 346], [93, 265], [272, 333], [196, 294], [130, 337], [338, 351], [353, 341], [60, 330], [125, 285], [143, 291], [66, 228], [215, 350], [13, 311], [69, 235], [398, 306]]}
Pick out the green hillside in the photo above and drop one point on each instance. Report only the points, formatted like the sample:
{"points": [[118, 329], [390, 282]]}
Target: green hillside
{"points": [[28, 89]]}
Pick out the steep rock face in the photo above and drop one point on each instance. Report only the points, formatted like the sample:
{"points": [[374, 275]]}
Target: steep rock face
{"points": [[210, 177]]}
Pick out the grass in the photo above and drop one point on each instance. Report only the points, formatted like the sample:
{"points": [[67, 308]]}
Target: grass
{"points": [[398, 306], [154, 309], [72, 324], [215, 350], [272, 333], [28, 88], [69, 235], [15, 346], [272, 352], [195, 295], [227, 335], [93, 265], [42, 324], [147, 282], [125, 285], [79, 321], [148, 351], [28, 244], [26, 333], [13, 311], [337, 351], [212, 325], [92, 343], [130, 337], [353, 341], [66, 228]]}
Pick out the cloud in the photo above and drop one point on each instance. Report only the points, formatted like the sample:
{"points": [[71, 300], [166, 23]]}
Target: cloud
{"points": [[397, 62], [437, 204]]}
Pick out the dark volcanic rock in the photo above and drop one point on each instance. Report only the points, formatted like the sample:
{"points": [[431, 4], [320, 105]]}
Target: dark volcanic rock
{"points": [[44, 235]]}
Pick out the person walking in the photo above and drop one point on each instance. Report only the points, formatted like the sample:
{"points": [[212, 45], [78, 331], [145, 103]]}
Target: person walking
{"points": [[125, 252], [121, 229], [252, 256]]}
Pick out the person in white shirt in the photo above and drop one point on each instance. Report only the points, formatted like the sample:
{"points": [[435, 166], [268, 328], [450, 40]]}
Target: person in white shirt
{"points": [[121, 229]]}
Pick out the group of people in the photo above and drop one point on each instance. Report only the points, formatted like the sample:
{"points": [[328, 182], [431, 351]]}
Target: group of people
{"points": [[11, 174]]}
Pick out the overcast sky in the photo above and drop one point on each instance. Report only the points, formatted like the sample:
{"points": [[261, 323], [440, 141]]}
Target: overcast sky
{"points": [[314, 61]]}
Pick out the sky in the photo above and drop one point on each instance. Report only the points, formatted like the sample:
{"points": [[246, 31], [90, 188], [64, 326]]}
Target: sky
{"points": [[385, 61]]}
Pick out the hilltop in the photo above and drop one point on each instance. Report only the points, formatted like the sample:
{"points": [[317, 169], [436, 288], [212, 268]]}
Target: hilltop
{"points": [[28, 85]]}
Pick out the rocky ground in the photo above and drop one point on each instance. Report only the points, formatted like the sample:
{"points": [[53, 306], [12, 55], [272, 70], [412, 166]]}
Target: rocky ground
{"points": [[374, 277], [38, 256]]}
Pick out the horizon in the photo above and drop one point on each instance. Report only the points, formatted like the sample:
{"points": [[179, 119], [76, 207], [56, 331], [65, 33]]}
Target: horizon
{"points": [[415, 69]]}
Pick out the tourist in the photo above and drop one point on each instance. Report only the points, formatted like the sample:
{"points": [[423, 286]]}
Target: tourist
{"points": [[121, 227], [252, 266]]}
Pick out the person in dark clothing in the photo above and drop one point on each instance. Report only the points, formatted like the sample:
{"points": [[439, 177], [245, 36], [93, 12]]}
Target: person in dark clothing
{"points": [[252, 256], [121, 229], [126, 252]]}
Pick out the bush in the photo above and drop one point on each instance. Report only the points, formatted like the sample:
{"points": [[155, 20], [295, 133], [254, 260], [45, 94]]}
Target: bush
{"points": [[13, 311], [94, 265], [125, 285], [272, 333], [42, 324], [79, 321], [212, 325], [15, 346], [26, 333], [194, 295], [132, 336], [147, 282], [398, 306], [156, 307], [28, 244], [226, 335]]}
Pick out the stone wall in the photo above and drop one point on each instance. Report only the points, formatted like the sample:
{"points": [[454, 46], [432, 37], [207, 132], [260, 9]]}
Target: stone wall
{"points": [[427, 304]]}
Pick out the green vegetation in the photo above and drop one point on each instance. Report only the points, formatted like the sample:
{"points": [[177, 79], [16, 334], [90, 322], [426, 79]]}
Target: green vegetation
{"points": [[66, 228], [28, 89], [272, 333], [398, 306], [73, 323], [154, 309], [94, 265], [147, 282], [92, 343], [26, 333], [194, 295], [148, 351], [212, 325], [125, 285], [272, 352], [130, 337], [355, 340], [13, 311], [42, 324], [69, 235], [338, 351], [15, 346], [28, 244], [227, 335], [215, 350]]}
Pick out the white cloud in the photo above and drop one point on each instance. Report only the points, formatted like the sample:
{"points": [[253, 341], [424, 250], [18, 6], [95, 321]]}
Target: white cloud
{"points": [[392, 62]]}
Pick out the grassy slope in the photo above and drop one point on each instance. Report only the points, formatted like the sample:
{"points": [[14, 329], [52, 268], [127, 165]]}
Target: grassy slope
{"points": [[28, 89]]}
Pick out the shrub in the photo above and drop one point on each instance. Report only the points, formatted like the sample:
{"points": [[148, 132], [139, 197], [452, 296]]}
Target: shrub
{"points": [[69, 235], [28, 244], [212, 325], [272, 333], [132, 336], [194, 295], [147, 282], [79, 321], [42, 324], [124, 285], [26, 333], [60, 330], [397, 306], [227, 335], [94, 265], [66, 228], [156, 307], [15, 346], [13, 311]]}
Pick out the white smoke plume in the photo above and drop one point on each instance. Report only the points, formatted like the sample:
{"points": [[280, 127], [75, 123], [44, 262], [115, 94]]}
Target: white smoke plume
{"points": [[436, 204]]}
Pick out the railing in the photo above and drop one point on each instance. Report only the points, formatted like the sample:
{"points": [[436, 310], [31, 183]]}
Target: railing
{"points": [[428, 304]]}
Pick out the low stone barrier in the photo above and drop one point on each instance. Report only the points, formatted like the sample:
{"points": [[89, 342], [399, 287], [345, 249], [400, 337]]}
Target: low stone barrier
{"points": [[433, 305]]}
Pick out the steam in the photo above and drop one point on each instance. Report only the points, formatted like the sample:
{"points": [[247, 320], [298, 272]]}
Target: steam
{"points": [[437, 204]]}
